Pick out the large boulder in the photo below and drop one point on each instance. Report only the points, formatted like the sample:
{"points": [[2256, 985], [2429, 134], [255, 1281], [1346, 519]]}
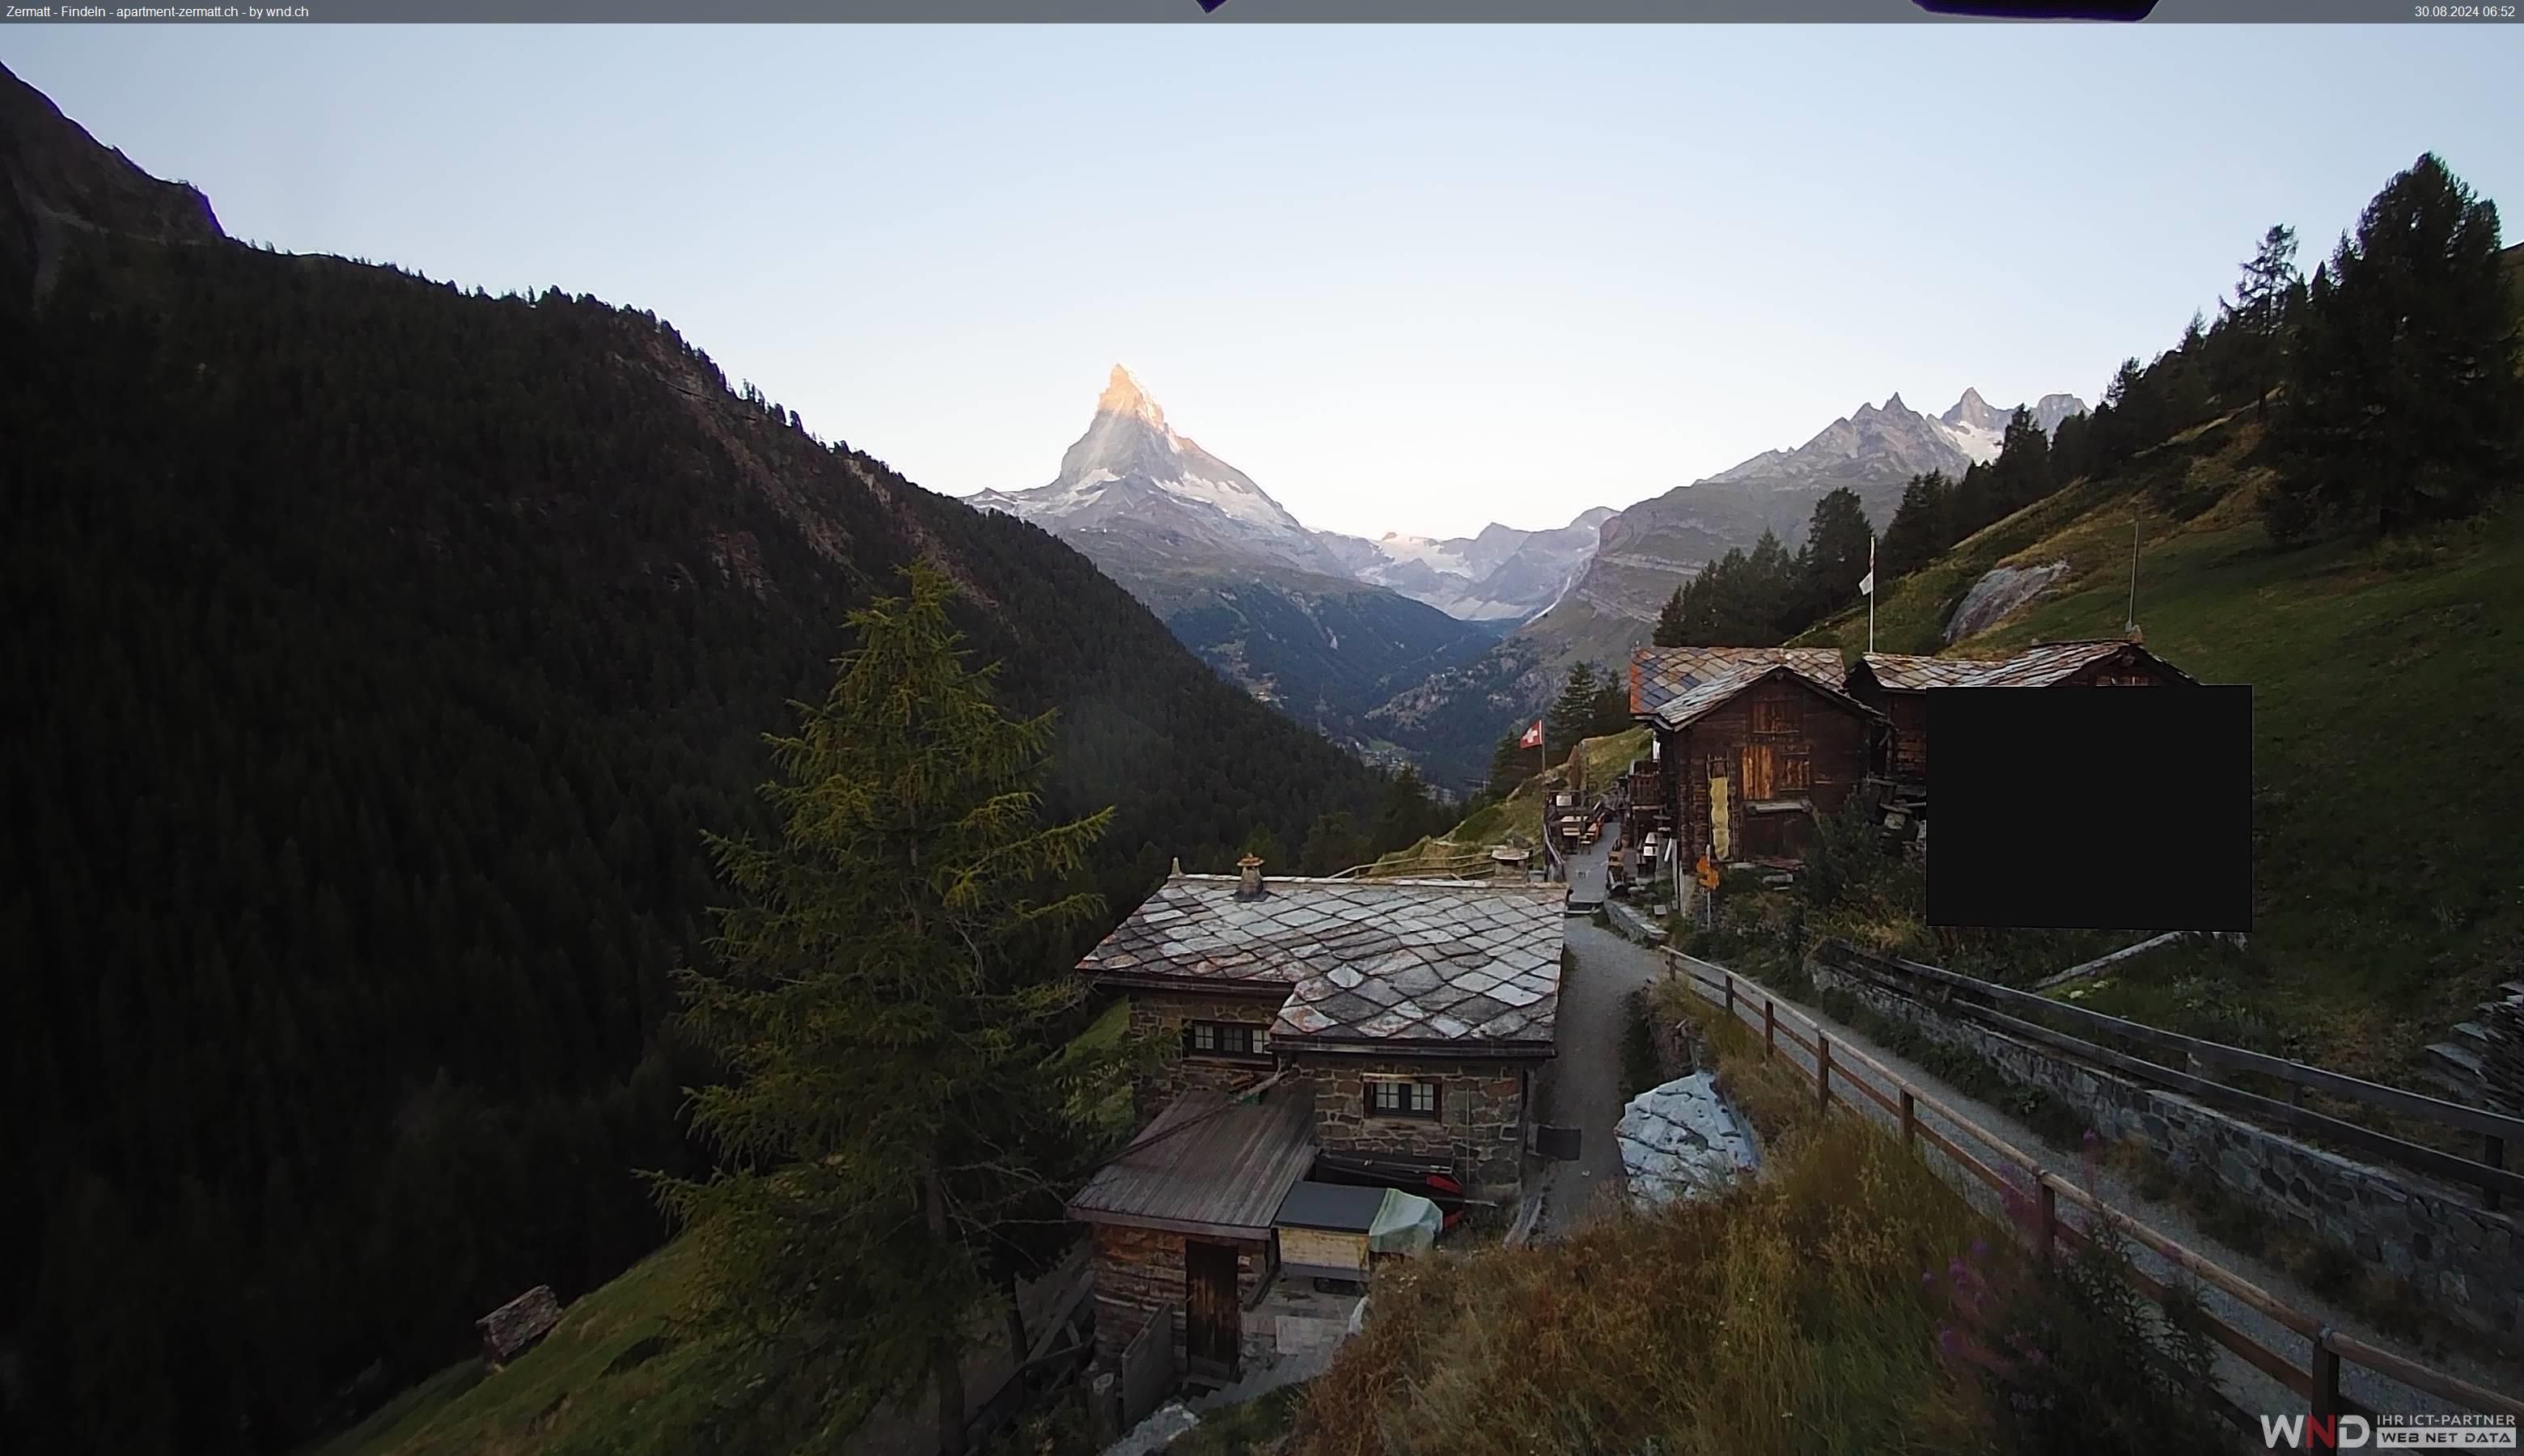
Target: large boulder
{"points": [[1683, 1140], [1996, 594]]}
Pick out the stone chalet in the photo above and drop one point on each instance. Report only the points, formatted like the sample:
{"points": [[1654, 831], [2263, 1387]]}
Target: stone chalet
{"points": [[1395, 1028]]}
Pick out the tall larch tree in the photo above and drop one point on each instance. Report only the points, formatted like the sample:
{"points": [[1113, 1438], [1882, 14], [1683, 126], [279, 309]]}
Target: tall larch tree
{"points": [[896, 1112]]}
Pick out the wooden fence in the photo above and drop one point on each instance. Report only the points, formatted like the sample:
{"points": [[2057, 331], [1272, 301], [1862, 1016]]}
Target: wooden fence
{"points": [[2316, 1377], [1987, 1004]]}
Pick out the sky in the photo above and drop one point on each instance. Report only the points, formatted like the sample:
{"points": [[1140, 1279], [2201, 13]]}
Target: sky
{"points": [[1407, 279]]}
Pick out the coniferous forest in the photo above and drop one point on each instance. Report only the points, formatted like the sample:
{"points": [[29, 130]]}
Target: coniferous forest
{"points": [[380, 656]]}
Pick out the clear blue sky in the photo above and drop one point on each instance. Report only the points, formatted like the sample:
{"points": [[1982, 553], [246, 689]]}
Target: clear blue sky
{"points": [[1407, 278]]}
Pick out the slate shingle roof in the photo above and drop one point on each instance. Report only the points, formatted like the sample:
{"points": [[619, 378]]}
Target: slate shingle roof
{"points": [[2034, 667], [1395, 962], [1659, 674], [1710, 693]]}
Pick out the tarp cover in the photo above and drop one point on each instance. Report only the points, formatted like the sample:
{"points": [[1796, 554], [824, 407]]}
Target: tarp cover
{"points": [[1406, 1224], [1683, 1138]]}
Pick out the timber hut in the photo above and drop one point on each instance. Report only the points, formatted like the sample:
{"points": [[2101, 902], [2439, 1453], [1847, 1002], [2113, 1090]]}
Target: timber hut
{"points": [[1897, 685], [1753, 743], [1184, 1218]]}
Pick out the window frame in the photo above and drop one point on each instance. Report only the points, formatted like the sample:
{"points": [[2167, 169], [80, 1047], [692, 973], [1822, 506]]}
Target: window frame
{"points": [[1435, 1111], [1255, 1036]]}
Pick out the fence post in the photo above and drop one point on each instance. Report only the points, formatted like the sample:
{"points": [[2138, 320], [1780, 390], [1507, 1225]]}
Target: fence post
{"points": [[2326, 1376], [2494, 1153], [1731, 996], [1822, 1071], [1769, 1027], [1910, 1118], [2046, 1203]]}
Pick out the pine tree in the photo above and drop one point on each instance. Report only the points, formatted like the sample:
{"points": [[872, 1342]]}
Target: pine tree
{"points": [[2258, 311], [1573, 715], [2024, 469], [1923, 525], [1832, 560], [2403, 404], [1264, 846], [1333, 844], [884, 1008], [1669, 628]]}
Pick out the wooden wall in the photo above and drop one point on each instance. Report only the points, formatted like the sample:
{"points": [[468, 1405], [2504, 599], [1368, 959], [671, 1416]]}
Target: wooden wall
{"points": [[1806, 744]]}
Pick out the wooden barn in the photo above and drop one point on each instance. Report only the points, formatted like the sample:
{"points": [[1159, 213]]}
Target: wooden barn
{"points": [[1753, 744], [1896, 685]]}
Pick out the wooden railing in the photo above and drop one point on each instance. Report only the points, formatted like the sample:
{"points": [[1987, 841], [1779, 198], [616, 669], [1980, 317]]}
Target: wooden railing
{"points": [[1982, 1001], [2316, 1377]]}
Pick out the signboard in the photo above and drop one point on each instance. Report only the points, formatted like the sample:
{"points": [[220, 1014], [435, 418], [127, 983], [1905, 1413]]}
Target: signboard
{"points": [[1720, 843]]}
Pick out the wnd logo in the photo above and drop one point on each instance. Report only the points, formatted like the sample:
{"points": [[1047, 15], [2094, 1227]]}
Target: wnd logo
{"points": [[2315, 1433]]}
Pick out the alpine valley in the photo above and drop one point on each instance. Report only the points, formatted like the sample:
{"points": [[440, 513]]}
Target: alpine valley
{"points": [[1328, 628], [1419, 650]]}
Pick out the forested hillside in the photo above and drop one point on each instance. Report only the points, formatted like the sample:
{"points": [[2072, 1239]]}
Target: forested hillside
{"points": [[384, 653]]}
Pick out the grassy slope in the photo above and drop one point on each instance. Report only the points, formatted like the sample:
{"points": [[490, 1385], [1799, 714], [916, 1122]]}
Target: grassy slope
{"points": [[1517, 817], [609, 1379], [586, 1387], [2388, 753]]}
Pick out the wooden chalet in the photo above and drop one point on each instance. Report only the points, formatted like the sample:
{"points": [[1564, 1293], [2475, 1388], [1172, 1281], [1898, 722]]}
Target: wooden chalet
{"points": [[1898, 685], [1752, 744]]}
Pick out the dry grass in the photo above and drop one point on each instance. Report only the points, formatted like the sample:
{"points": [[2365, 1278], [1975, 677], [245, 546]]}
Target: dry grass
{"points": [[1789, 1316], [1812, 1311]]}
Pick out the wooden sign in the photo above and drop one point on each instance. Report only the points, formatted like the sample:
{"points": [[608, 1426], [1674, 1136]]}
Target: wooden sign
{"points": [[1721, 844]]}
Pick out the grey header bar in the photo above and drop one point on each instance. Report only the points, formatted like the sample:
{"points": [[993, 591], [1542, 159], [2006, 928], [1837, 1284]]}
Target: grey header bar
{"points": [[1188, 12]]}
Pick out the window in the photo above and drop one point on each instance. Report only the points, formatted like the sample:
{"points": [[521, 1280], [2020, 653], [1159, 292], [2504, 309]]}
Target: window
{"points": [[1225, 1039], [1796, 773], [1777, 715], [1393, 1096]]}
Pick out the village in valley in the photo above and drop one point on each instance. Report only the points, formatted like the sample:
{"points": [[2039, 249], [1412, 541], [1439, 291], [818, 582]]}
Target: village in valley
{"points": [[580, 913], [1372, 1063]]}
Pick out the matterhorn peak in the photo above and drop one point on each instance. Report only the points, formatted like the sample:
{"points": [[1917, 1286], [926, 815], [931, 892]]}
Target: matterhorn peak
{"points": [[1123, 396]]}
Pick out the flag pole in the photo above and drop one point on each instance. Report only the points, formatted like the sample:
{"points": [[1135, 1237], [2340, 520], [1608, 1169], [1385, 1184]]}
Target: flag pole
{"points": [[1871, 593], [2131, 623]]}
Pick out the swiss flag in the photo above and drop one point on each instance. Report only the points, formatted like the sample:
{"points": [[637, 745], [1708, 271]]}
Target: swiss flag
{"points": [[1533, 736]]}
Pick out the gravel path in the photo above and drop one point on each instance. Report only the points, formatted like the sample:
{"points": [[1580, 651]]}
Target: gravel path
{"points": [[1584, 1090], [2245, 1385]]}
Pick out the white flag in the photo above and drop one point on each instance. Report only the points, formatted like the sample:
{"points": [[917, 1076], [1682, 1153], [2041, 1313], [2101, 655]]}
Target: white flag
{"points": [[1867, 583]]}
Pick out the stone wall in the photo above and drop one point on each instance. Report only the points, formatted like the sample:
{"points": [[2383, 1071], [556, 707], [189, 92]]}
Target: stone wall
{"points": [[1140, 1271], [2465, 1262], [1161, 1014], [1480, 1129]]}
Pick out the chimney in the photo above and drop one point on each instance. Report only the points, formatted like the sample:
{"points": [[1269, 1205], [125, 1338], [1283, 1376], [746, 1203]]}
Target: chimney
{"points": [[1249, 881]]}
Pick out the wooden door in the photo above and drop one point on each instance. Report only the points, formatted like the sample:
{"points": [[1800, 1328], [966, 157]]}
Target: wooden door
{"points": [[1759, 769], [1210, 1326]]}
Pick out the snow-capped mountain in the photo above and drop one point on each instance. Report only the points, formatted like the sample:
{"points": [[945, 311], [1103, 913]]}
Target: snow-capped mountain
{"points": [[1271, 606], [1501, 574], [1131, 475], [1645, 552], [1978, 428], [1137, 492]]}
